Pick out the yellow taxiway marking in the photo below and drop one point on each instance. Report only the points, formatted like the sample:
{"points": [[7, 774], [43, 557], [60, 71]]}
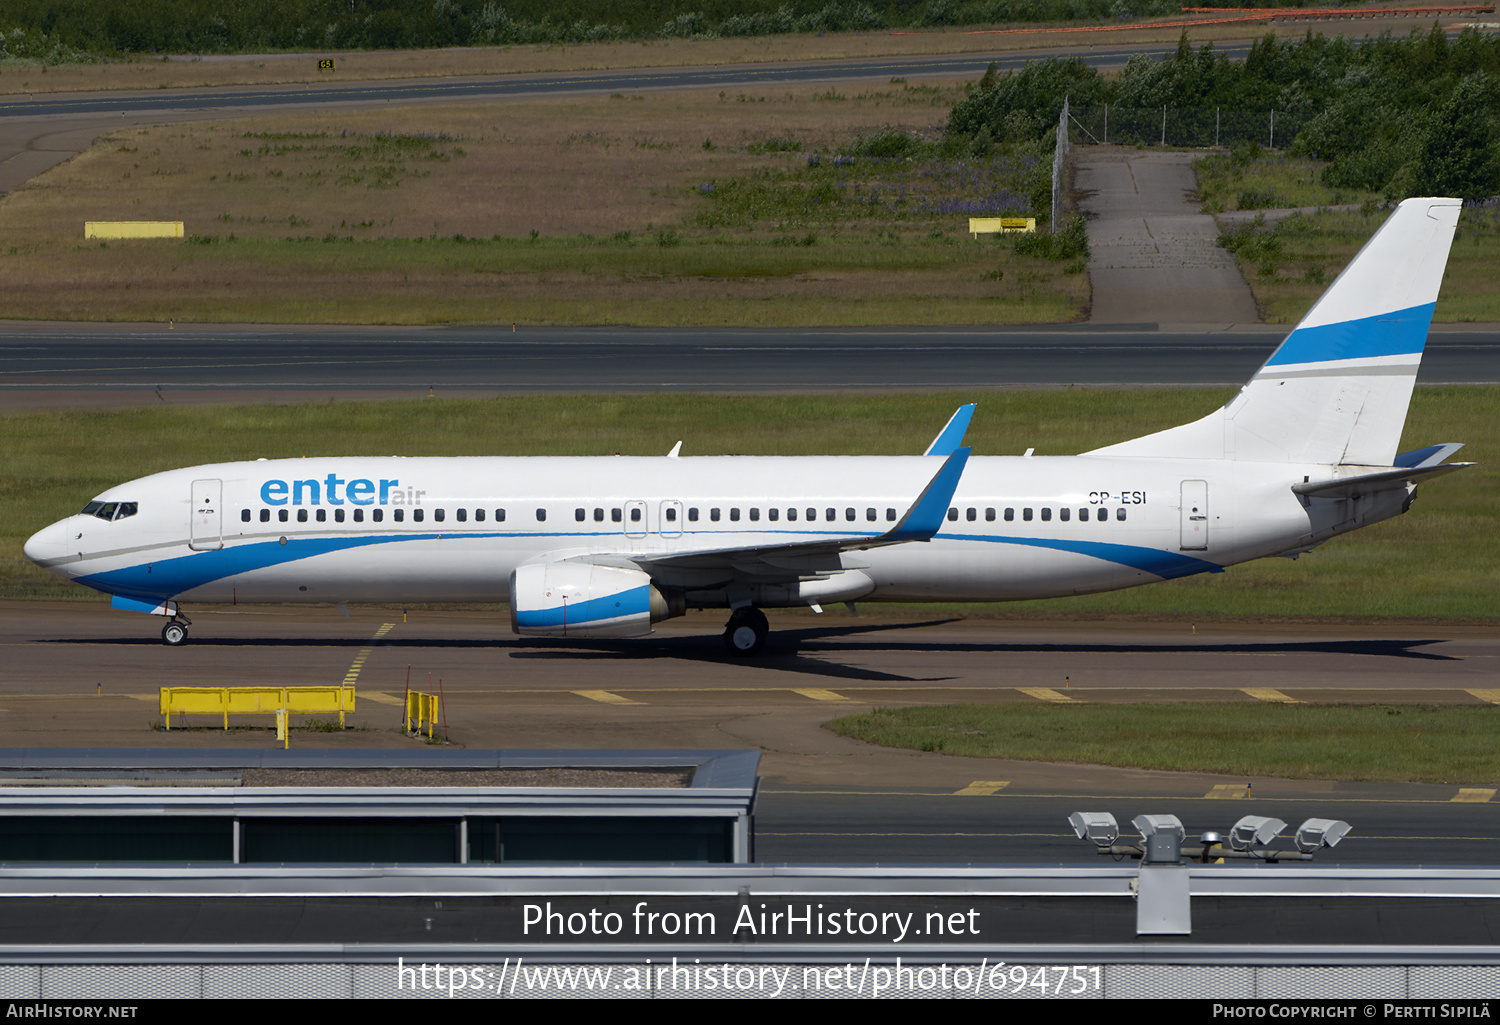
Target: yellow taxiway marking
{"points": [[606, 697], [818, 694], [1047, 694], [1472, 795], [1229, 791], [379, 698], [982, 788], [1486, 694], [364, 653], [1269, 694]]}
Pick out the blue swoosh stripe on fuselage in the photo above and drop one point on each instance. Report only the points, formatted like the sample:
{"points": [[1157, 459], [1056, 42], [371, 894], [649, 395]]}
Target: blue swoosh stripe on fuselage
{"points": [[171, 577], [1167, 565], [1401, 333], [634, 602]]}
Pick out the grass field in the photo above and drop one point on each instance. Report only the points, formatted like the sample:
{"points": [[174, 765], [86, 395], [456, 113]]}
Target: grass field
{"points": [[1408, 743], [188, 72], [1289, 265], [1439, 562], [661, 209]]}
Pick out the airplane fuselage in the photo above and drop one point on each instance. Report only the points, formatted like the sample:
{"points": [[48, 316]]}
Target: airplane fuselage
{"points": [[455, 529]]}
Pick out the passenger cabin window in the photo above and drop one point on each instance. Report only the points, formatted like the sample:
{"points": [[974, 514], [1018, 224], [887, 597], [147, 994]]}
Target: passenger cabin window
{"points": [[614, 515], [890, 515], [302, 515], [812, 515], [635, 515], [953, 515], [359, 516], [830, 514], [338, 515], [791, 515], [322, 514], [417, 515], [1046, 514], [849, 514], [773, 514], [439, 515], [870, 515], [265, 516], [378, 515], [598, 515], [462, 514], [713, 514], [399, 514], [1064, 513], [734, 514], [281, 515], [693, 514], [755, 515], [671, 514], [499, 515], [244, 515], [478, 515], [541, 515], [971, 514], [1120, 513], [989, 516], [1010, 514], [579, 515], [1026, 515]]}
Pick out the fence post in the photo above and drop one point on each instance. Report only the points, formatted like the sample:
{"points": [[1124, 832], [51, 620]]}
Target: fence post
{"points": [[1163, 124], [1273, 129], [1216, 127], [1106, 124]]}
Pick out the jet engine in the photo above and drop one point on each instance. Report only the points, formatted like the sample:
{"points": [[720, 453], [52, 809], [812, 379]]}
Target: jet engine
{"points": [[580, 599]]}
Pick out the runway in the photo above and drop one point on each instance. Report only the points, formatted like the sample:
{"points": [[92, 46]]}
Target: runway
{"points": [[82, 676], [110, 365]]}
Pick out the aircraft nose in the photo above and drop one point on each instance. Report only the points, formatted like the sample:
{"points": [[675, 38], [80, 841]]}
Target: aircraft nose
{"points": [[47, 545]]}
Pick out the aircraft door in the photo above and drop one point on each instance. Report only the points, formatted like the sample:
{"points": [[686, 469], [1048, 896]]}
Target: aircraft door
{"points": [[671, 518], [206, 525], [635, 519], [1195, 515]]}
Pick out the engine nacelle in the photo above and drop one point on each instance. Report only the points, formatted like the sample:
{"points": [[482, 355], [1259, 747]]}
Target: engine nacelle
{"points": [[578, 599]]}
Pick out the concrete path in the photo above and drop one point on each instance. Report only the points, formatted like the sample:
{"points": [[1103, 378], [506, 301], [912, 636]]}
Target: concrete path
{"points": [[1155, 257]]}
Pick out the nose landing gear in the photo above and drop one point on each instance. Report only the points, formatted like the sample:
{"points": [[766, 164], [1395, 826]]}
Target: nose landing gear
{"points": [[745, 633], [175, 632]]}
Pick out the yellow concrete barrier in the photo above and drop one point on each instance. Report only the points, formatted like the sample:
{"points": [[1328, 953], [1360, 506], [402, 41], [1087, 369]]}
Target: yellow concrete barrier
{"points": [[227, 701], [992, 225], [132, 229]]}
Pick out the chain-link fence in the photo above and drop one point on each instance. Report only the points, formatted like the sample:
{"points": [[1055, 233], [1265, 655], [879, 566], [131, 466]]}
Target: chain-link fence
{"points": [[1184, 126]]}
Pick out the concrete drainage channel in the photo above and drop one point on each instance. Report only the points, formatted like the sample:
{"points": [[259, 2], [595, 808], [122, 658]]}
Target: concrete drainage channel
{"points": [[139, 875]]}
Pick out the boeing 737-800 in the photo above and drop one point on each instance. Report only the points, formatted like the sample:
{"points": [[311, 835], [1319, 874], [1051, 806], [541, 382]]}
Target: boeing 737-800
{"points": [[606, 547]]}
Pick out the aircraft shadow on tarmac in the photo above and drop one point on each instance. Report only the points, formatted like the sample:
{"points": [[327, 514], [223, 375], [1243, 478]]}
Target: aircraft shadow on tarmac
{"points": [[815, 651]]}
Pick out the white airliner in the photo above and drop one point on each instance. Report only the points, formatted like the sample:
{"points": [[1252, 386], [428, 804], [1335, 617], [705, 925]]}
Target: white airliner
{"points": [[605, 547]]}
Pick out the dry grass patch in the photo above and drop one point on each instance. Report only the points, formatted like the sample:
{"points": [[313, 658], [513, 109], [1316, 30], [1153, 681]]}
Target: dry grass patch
{"points": [[588, 211], [274, 69]]}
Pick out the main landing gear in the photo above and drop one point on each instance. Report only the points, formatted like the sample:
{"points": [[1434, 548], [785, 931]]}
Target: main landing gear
{"points": [[745, 633], [175, 632]]}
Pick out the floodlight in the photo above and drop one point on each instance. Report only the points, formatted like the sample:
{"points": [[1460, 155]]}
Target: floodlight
{"points": [[1153, 825], [1096, 826], [1316, 833], [1254, 831]]}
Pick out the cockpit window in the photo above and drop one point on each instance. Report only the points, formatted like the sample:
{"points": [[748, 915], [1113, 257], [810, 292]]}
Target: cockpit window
{"points": [[110, 510]]}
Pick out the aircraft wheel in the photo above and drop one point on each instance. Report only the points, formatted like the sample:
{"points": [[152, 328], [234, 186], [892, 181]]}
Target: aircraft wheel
{"points": [[745, 634], [174, 634]]}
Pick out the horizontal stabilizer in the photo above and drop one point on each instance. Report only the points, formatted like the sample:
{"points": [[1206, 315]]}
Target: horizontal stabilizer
{"points": [[1429, 456], [1368, 483]]}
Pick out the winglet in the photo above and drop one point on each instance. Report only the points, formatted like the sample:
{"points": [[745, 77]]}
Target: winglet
{"points": [[952, 436], [925, 517]]}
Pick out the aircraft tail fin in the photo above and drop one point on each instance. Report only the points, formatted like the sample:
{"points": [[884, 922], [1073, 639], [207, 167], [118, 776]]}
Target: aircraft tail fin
{"points": [[1337, 389]]}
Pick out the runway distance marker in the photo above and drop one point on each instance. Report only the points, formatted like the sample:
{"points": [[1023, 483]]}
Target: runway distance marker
{"points": [[819, 694], [1472, 795]]}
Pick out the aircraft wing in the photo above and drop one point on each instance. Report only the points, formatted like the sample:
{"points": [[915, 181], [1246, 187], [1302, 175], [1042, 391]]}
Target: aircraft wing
{"points": [[921, 522]]}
